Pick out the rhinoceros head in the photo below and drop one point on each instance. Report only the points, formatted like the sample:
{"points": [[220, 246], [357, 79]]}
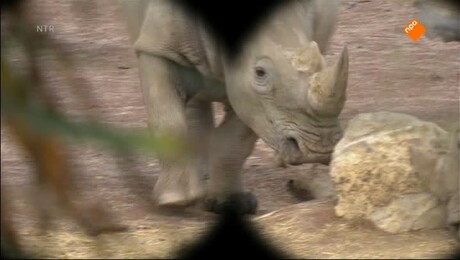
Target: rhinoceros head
{"points": [[289, 96]]}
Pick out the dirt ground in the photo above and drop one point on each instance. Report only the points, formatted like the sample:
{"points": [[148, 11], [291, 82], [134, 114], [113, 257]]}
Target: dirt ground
{"points": [[388, 71]]}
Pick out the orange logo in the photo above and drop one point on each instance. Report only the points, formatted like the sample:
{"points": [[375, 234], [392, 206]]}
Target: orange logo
{"points": [[414, 29]]}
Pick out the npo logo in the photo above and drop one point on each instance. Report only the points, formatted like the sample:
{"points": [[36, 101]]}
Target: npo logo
{"points": [[414, 29]]}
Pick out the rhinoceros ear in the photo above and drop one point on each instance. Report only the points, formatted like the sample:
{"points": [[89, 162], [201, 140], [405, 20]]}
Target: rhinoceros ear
{"points": [[327, 90]]}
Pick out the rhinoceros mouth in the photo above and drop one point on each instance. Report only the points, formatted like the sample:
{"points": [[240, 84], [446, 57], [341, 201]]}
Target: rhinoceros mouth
{"points": [[290, 153]]}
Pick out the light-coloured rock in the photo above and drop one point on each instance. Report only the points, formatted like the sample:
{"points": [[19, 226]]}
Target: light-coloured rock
{"points": [[437, 167], [439, 172], [396, 171], [410, 212]]}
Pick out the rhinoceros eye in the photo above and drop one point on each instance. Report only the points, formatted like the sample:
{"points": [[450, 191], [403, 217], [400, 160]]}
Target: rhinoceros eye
{"points": [[262, 76], [260, 72]]}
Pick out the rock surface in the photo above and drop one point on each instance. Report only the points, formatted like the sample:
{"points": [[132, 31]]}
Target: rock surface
{"points": [[397, 171], [410, 212]]}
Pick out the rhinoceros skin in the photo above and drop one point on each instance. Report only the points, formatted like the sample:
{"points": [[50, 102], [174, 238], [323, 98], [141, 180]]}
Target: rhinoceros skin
{"points": [[278, 88], [440, 18]]}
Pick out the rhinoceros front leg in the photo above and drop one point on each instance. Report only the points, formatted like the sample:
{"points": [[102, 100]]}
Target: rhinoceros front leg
{"points": [[232, 142], [200, 123], [179, 183]]}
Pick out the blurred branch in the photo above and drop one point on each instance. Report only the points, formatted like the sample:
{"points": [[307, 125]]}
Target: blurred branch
{"points": [[42, 121], [35, 121]]}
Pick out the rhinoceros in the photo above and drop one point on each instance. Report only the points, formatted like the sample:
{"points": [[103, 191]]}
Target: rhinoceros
{"points": [[278, 88], [440, 18]]}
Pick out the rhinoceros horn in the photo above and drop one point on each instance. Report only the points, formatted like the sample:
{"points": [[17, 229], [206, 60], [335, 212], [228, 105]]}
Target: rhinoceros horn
{"points": [[327, 91], [309, 59]]}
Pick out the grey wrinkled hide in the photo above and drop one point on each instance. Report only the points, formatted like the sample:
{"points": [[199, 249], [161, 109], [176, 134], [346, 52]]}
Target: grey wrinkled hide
{"points": [[441, 18], [278, 89]]}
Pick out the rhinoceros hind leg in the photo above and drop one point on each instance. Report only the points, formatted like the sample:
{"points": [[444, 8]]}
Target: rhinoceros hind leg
{"points": [[232, 142]]}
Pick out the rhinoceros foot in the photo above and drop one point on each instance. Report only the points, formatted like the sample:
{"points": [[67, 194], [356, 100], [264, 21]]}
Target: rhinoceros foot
{"points": [[455, 230], [177, 196], [241, 203]]}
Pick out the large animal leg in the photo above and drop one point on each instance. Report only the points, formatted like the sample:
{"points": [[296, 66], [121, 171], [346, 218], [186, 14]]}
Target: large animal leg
{"points": [[200, 123], [179, 183], [232, 142]]}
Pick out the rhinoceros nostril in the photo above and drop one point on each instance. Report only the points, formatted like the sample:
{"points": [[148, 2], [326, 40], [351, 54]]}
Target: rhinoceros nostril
{"points": [[292, 150], [293, 144]]}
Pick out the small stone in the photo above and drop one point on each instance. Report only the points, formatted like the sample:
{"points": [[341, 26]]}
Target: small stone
{"points": [[314, 184], [435, 77], [351, 4]]}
